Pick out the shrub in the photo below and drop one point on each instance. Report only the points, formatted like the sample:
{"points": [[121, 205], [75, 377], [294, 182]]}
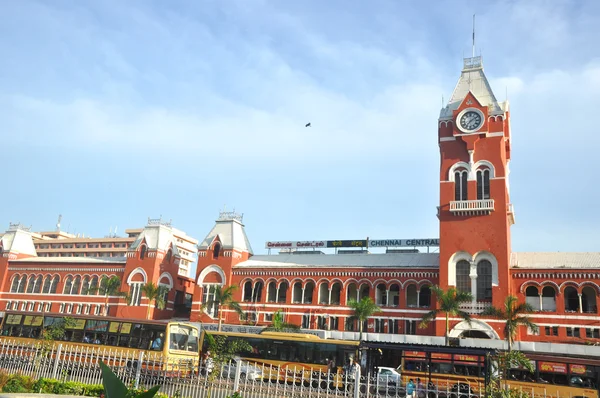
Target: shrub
{"points": [[3, 379], [18, 383]]}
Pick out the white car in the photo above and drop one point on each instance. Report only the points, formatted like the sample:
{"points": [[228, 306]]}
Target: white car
{"points": [[247, 371], [388, 378]]}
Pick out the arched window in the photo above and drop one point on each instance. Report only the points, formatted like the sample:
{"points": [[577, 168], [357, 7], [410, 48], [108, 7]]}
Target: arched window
{"points": [[282, 295], [76, 285], [93, 285], [460, 184], [425, 296], [143, 250], [548, 299], [247, 291], [272, 292], [484, 280], [168, 256], [336, 293], [37, 288], [381, 295], [483, 184], [68, 285], [85, 286], [532, 297], [23, 284], [463, 280], [395, 295], [30, 283], [571, 299], [588, 300], [351, 292], [216, 250], [297, 293], [54, 284], [324, 293], [411, 295], [14, 288], [257, 293], [309, 290], [47, 283], [364, 291]]}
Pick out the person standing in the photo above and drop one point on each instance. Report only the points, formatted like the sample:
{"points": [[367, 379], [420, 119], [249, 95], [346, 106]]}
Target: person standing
{"points": [[410, 389], [420, 389]]}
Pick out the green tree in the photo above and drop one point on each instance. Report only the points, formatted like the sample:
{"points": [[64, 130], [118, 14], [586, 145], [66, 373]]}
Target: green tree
{"points": [[501, 363], [155, 295], [223, 297], [110, 287], [222, 351], [279, 324], [448, 303], [361, 311], [514, 314]]}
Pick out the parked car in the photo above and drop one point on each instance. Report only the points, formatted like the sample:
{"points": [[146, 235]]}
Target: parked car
{"points": [[388, 380], [247, 371]]}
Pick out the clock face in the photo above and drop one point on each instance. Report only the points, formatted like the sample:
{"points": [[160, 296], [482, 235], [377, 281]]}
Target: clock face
{"points": [[470, 121]]}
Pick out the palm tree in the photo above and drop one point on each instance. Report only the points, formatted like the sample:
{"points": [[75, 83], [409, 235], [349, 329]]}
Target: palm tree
{"points": [[448, 302], [155, 294], [223, 297], [362, 310], [514, 314], [110, 287], [280, 325]]}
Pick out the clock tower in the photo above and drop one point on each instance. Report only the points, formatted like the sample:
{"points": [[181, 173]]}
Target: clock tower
{"points": [[475, 212]]}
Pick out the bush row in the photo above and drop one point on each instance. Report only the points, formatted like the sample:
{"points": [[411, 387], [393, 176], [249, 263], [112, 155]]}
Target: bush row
{"points": [[25, 384]]}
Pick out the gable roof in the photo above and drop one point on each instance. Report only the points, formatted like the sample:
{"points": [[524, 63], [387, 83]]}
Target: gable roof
{"points": [[18, 241], [473, 80], [231, 233], [555, 260], [157, 237], [387, 260]]}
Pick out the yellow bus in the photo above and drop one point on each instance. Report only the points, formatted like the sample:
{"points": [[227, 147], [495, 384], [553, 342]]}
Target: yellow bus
{"points": [[462, 371], [165, 345], [295, 357]]}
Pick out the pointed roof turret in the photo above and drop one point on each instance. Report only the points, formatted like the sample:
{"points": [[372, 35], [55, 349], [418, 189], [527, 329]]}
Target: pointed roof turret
{"points": [[230, 232], [18, 241], [158, 235], [473, 80]]}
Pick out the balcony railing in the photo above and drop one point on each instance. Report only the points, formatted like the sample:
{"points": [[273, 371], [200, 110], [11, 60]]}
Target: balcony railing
{"points": [[475, 308], [471, 207], [511, 213]]}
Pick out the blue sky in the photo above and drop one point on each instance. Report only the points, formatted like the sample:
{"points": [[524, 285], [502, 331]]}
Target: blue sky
{"points": [[112, 112]]}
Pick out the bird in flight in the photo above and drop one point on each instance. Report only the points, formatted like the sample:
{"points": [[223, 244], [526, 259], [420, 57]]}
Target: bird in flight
{"points": [[307, 125]]}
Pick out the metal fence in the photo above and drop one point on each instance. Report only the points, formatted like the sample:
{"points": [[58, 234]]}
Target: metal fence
{"points": [[74, 363]]}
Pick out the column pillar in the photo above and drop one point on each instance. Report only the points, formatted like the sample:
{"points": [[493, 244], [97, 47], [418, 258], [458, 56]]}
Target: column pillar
{"points": [[418, 301], [387, 297], [302, 300], [473, 276], [580, 303], [541, 308]]}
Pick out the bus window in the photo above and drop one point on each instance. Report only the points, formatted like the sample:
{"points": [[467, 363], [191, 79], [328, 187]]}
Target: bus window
{"points": [[180, 336]]}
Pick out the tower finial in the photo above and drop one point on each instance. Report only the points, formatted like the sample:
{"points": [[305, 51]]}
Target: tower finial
{"points": [[473, 36]]}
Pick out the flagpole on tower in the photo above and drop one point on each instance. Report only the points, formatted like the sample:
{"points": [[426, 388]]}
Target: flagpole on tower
{"points": [[473, 35]]}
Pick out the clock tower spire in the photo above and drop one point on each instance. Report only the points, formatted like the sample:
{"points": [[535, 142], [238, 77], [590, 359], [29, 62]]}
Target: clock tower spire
{"points": [[475, 212]]}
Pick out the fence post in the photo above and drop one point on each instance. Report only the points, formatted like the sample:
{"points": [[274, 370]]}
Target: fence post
{"points": [[56, 361], [357, 383], [238, 372], [138, 371]]}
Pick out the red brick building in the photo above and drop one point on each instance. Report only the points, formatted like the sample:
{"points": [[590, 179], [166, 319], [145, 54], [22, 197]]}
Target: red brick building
{"points": [[475, 216], [61, 273], [312, 288]]}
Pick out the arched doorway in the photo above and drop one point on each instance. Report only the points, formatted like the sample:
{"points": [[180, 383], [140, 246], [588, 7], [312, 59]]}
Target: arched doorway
{"points": [[476, 330]]}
